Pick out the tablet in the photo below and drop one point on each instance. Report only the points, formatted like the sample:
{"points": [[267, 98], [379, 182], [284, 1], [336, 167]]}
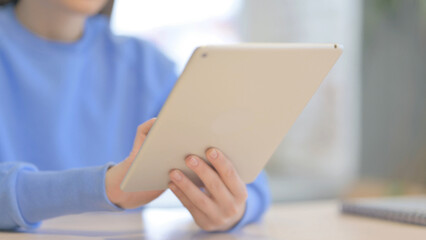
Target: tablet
{"points": [[241, 99]]}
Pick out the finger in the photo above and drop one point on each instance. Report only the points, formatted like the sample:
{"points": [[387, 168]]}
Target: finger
{"points": [[146, 126], [196, 196], [141, 133], [212, 182], [200, 217], [227, 173]]}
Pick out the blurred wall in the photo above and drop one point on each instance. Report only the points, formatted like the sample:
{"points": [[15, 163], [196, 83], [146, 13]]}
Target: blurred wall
{"points": [[394, 91], [319, 156]]}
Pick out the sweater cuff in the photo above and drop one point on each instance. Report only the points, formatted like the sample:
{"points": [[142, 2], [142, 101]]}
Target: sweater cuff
{"points": [[48, 194]]}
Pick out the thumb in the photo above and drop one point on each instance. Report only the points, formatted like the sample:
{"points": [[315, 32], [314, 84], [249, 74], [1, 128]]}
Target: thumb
{"points": [[141, 133]]}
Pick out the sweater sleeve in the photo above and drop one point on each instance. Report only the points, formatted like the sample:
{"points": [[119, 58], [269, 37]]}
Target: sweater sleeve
{"points": [[257, 203], [28, 196]]}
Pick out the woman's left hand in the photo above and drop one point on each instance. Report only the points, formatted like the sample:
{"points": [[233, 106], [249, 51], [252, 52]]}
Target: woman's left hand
{"points": [[223, 203]]}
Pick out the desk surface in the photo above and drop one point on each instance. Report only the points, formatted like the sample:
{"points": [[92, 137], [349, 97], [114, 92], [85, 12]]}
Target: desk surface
{"points": [[317, 220]]}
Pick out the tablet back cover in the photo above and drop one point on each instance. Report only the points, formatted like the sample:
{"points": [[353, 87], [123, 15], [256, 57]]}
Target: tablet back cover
{"points": [[241, 99]]}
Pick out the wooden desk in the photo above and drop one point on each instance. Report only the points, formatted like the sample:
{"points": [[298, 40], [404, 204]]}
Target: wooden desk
{"points": [[317, 220]]}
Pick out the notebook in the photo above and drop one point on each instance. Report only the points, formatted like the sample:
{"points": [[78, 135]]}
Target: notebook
{"points": [[410, 210]]}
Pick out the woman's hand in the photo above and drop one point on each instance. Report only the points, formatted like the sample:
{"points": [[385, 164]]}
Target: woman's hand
{"points": [[223, 203], [115, 176]]}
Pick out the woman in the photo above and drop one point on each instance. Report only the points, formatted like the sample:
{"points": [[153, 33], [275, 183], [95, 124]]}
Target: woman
{"points": [[71, 96]]}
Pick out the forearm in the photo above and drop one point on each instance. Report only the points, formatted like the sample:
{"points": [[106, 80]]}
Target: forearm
{"points": [[30, 196]]}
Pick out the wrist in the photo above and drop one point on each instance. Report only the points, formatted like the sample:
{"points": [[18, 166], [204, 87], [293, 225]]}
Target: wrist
{"points": [[112, 189], [238, 218]]}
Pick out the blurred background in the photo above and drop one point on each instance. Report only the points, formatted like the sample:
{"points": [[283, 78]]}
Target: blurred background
{"points": [[364, 131]]}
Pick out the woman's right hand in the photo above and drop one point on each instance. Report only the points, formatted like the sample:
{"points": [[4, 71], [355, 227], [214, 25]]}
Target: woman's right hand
{"points": [[116, 174]]}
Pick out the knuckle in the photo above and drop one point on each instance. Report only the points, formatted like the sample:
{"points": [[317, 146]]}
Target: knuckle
{"points": [[183, 184], [231, 211], [200, 168], [242, 197], [230, 172], [208, 227], [201, 202], [214, 186], [244, 194], [218, 222]]}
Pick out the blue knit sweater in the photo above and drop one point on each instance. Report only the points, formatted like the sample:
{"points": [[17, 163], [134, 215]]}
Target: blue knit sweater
{"points": [[68, 111]]}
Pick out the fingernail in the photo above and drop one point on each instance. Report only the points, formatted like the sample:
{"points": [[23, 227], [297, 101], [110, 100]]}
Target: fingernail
{"points": [[193, 161], [176, 175], [213, 154]]}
